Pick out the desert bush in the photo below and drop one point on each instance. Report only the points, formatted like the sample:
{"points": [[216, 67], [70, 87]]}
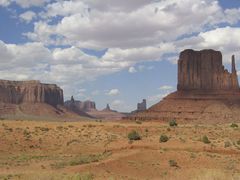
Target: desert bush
{"points": [[163, 138], [133, 135], [233, 125], [173, 123], [205, 140], [238, 142], [173, 163], [227, 144], [72, 141], [138, 122]]}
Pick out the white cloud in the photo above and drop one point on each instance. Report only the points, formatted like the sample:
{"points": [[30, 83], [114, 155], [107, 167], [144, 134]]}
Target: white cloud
{"points": [[226, 40], [27, 16], [65, 8], [132, 70], [117, 104], [29, 3], [156, 98], [5, 2], [91, 24], [113, 92], [95, 93], [165, 87]]}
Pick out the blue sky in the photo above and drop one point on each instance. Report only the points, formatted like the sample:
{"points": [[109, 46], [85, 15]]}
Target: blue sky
{"points": [[110, 51]]}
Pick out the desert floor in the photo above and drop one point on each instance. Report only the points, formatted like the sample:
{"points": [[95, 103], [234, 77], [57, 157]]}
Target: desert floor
{"points": [[101, 150]]}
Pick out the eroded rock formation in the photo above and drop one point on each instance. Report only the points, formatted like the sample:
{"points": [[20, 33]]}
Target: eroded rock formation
{"points": [[88, 109], [84, 106], [32, 100], [142, 106], [203, 70], [18, 92], [206, 91]]}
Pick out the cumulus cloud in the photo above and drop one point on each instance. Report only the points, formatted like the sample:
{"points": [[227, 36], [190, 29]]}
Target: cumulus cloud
{"points": [[27, 3], [117, 104], [156, 98], [5, 2], [113, 92], [27, 16], [132, 70], [85, 24], [165, 87], [226, 40]]}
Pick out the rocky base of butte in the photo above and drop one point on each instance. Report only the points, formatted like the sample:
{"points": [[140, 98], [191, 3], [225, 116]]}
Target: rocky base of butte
{"points": [[206, 91]]}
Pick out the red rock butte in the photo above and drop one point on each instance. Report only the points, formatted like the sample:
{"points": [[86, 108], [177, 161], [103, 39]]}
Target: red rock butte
{"points": [[206, 91], [20, 98], [17, 92], [203, 70]]}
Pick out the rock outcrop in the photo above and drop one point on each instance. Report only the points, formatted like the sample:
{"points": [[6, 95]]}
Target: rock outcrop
{"points": [[142, 106], [203, 70], [32, 100], [79, 107], [18, 92], [107, 108], [88, 109], [206, 91], [84, 106]]}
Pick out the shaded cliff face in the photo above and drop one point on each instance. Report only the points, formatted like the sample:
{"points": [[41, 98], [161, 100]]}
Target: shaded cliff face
{"points": [[203, 70], [18, 92]]}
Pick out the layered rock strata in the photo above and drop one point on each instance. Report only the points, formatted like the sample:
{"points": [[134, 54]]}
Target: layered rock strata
{"points": [[18, 92], [203, 70]]}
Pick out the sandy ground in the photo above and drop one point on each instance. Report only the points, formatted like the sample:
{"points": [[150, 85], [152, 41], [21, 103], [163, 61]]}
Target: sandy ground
{"points": [[101, 150]]}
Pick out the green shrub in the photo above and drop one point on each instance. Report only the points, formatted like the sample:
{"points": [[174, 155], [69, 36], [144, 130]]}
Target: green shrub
{"points": [[173, 163], [233, 125], [133, 135], [173, 123], [227, 144], [163, 138], [138, 122], [238, 142], [205, 140]]}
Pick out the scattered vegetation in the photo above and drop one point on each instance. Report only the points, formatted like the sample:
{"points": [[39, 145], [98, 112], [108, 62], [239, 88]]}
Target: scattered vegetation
{"points": [[163, 138], [82, 159], [133, 136], [238, 142], [138, 122], [206, 140], [227, 144], [234, 125], [173, 123], [72, 141], [172, 163]]}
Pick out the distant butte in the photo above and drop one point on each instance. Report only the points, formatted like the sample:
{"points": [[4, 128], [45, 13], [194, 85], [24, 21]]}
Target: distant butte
{"points": [[206, 91], [24, 98]]}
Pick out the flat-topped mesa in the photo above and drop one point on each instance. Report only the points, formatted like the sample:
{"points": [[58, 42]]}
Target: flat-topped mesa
{"points": [[18, 92], [203, 70]]}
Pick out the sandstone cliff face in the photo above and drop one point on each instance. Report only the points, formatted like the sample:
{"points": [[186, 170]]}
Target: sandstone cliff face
{"points": [[18, 92], [203, 70]]}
